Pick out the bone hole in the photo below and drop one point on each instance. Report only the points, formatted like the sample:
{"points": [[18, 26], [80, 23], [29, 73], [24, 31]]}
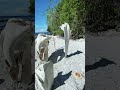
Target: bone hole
{"points": [[7, 63], [37, 52]]}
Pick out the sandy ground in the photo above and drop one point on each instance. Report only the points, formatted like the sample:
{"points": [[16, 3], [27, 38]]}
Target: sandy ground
{"points": [[64, 68], [103, 61]]}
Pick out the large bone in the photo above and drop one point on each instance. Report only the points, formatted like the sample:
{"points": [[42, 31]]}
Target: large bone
{"points": [[44, 76], [41, 47], [16, 38], [43, 71], [13, 32], [65, 27]]}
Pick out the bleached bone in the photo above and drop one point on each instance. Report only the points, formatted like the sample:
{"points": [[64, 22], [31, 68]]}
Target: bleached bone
{"points": [[41, 47], [12, 33], [43, 71], [16, 36], [65, 27], [44, 76]]}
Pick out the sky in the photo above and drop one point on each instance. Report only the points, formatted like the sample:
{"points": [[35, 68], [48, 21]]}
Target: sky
{"points": [[20, 7], [14, 7], [41, 7]]}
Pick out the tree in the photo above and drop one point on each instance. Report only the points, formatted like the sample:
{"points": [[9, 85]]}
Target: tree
{"points": [[32, 6], [70, 11], [98, 12]]}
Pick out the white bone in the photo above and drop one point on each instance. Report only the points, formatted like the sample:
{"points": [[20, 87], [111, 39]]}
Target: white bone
{"points": [[65, 27], [44, 75], [13, 39], [41, 42]]}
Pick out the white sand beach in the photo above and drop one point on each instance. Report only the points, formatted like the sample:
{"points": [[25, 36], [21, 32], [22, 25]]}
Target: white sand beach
{"points": [[64, 68]]}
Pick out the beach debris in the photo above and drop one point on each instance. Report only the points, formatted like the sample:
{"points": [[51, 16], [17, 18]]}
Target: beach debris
{"points": [[66, 28], [15, 47], [77, 75]]}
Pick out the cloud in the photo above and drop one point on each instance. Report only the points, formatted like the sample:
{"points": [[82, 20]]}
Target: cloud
{"points": [[40, 30]]}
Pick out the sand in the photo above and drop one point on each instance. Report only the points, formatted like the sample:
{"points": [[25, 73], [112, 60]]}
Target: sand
{"points": [[65, 68]]}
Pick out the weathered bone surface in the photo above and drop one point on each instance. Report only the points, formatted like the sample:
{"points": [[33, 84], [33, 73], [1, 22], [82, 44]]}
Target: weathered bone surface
{"points": [[15, 40], [43, 71], [41, 47], [43, 76], [12, 34], [65, 27]]}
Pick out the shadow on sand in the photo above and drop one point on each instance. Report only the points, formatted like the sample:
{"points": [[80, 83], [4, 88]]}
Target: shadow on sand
{"points": [[2, 81], [60, 53], [75, 53], [54, 57], [60, 79], [102, 63]]}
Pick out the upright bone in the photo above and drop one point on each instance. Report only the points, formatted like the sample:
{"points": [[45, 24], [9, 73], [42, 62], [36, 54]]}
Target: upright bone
{"points": [[43, 71], [65, 27], [41, 47]]}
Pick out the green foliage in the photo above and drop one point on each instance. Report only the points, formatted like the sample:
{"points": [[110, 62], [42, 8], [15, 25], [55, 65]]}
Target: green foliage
{"points": [[70, 11], [98, 12], [98, 15], [32, 6]]}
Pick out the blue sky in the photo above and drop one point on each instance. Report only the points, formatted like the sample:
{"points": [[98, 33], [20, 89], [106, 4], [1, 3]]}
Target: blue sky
{"points": [[14, 7], [40, 14], [20, 7]]}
